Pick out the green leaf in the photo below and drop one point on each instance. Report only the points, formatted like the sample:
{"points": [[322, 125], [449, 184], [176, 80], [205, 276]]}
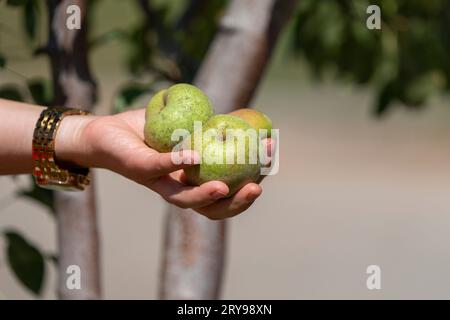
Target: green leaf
{"points": [[11, 92], [139, 50], [2, 61], [128, 95], [385, 98], [25, 261], [42, 196], [30, 15], [39, 89], [16, 3]]}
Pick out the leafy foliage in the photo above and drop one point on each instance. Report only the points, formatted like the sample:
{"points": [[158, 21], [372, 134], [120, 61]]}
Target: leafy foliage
{"points": [[2, 61], [11, 92], [26, 261], [128, 94], [407, 60], [41, 91], [31, 12], [16, 3], [165, 47], [30, 15]]}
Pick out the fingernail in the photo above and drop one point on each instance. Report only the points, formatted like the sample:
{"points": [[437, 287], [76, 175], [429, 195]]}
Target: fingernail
{"points": [[218, 195]]}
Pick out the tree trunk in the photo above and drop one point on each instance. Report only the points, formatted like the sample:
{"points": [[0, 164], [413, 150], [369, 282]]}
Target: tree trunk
{"points": [[194, 251], [76, 211]]}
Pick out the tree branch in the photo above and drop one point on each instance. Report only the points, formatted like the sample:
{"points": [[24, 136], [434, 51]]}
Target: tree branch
{"points": [[165, 37], [192, 11], [194, 253], [76, 211]]}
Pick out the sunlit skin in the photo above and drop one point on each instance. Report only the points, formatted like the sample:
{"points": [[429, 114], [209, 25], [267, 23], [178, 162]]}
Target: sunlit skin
{"points": [[129, 156], [117, 143]]}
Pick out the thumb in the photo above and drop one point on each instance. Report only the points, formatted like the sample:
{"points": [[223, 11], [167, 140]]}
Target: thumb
{"points": [[160, 164]]}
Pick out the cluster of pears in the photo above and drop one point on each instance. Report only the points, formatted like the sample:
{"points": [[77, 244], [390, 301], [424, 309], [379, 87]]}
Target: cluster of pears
{"points": [[179, 107]]}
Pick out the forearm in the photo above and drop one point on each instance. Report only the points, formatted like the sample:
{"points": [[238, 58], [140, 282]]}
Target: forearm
{"points": [[18, 121], [16, 132]]}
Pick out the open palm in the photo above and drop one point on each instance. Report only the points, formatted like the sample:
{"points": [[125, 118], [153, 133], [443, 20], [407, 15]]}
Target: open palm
{"points": [[118, 145]]}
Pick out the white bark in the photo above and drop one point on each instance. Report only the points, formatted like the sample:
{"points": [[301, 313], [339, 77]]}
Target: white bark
{"points": [[76, 211], [78, 243], [194, 251]]}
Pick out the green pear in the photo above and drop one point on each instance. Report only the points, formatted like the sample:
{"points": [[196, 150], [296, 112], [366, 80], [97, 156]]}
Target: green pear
{"points": [[218, 146], [177, 107], [255, 118]]}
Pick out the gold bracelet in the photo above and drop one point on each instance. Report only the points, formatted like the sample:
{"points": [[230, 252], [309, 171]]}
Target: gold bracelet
{"points": [[47, 173]]}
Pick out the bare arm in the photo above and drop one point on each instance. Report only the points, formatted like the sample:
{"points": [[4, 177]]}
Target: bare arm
{"points": [[16, 132], [115, 143]]}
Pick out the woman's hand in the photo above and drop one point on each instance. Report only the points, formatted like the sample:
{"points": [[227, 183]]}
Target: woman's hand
{"points": [[117, 143]]}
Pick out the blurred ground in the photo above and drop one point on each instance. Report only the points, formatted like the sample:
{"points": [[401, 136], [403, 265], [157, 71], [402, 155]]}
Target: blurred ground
{"points": [[352, 191]]}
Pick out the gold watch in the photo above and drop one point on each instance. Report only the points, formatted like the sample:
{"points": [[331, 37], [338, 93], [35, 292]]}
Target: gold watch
{"points": [[47, 173]]}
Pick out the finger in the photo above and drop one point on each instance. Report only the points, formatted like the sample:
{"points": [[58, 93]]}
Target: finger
{"points": [[181, 176], [268, 144], [227, 208], [189, 196], [160, 164]]}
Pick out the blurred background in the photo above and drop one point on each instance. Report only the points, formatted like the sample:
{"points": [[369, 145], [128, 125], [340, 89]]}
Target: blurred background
{"points": [[364, 176]]}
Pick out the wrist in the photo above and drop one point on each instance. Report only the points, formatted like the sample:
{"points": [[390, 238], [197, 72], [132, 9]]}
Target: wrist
{"points": [[72, 145]]}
